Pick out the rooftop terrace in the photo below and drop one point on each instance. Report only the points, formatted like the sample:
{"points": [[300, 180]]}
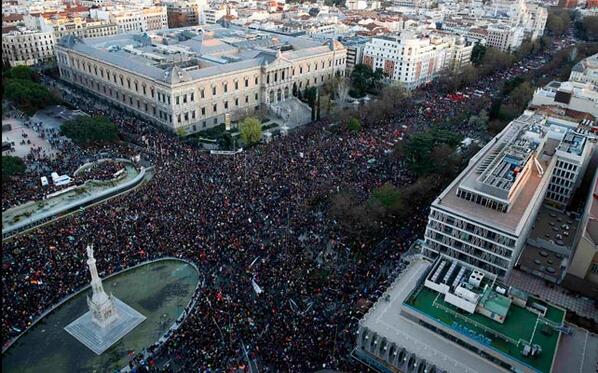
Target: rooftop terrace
{"points": [[520, 326]]}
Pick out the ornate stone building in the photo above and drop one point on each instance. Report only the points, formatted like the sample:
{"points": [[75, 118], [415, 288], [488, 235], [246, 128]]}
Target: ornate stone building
{"points": [[190, 78]]}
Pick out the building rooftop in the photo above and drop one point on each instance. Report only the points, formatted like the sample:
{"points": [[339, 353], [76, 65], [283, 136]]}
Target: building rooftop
{"points": [[520, 326], [495, 171], [385, 319], [197, 52]]}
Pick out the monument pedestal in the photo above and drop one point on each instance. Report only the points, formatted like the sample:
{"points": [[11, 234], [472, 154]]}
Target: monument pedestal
{"points": [[97, 339], [108, 319]]}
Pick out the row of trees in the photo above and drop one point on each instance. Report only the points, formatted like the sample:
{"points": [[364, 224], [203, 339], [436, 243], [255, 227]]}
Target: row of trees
{"points": [[434, 156]]}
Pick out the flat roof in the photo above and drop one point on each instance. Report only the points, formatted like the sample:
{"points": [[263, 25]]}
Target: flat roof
{"points": [[201, 51], [512, 221], [507, 338], [385, 319]]}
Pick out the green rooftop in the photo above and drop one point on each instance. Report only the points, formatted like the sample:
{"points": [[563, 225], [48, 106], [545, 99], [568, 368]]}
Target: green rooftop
{"points": [[520, 326]]}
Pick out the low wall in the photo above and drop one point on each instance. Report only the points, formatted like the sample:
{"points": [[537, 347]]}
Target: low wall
{"points": [[69, 297], [49, 215]]}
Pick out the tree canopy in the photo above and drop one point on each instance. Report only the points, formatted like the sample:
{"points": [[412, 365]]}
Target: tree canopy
{"points": [[24, 92], [251, 130], [365, 80], [432, 151], [86, 130], [11, 166], [354, 125], [558, 21], [588, 27]]}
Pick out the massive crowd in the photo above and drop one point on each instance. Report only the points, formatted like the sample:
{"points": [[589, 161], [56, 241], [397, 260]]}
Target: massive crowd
{"points": [[241, 219]]}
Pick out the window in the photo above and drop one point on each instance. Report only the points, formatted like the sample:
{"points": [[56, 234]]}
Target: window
{"points": [[236, 85], [246, 99], [215, 108], [202, 93], [225, 87], [246, 82], [225, 105], [203, 111], [214, 91]]}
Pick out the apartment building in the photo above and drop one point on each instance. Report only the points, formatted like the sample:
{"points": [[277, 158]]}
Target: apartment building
{"points": [[27, 47], [571, 95], [63, 25], [189, 79], [586, 71], [415, 59], [184, 14], [503, 37], [134, 20]]}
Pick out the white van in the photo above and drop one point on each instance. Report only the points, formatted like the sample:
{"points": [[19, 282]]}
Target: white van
{"points": [[44, 181]]}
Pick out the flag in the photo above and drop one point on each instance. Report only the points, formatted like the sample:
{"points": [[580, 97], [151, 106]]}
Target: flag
{"points": [[256, 287]]}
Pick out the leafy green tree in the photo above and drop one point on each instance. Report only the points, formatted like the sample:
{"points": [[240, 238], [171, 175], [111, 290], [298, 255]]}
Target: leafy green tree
{"points": [[495, 59], [479, 121], [517, 101], [310, 94], [354, 125], [251, 130], [390, 198], [365, 80], [86, 130], [27, 95], [11, 166], [558, 21], [20, 72], [357, 219], [477, 53], [422, 154], [588, 27]]}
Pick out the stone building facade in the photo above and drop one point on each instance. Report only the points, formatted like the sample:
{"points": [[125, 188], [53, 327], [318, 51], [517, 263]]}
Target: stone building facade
{"points": [[192, 85]]}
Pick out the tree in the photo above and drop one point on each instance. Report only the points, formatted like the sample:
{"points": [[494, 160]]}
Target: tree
{"points": [[310, 94], [342, 92], [422, 154], [390, 198], [558, 21], [358, 219], [516, 102], [495, 59], [479, 121], [477, 53], [588, 27], [365, 80], [20, 72], [86, 130], [11, 166], [251, 130], [27, 95], [354, 125]]}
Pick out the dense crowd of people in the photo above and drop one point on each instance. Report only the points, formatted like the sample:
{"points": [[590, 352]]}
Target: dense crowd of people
{"points": [[242, 219]]}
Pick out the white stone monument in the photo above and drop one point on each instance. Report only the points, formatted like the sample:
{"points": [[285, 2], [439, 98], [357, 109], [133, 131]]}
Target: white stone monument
{"points": [[108, 319]]}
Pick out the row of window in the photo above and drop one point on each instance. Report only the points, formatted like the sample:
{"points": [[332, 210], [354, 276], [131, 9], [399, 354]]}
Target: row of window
{"points": [[483, 201]]}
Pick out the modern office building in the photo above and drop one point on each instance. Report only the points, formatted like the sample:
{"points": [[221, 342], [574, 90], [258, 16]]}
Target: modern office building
{"points": [[447, 316], [486, 214], [189, 79]]}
